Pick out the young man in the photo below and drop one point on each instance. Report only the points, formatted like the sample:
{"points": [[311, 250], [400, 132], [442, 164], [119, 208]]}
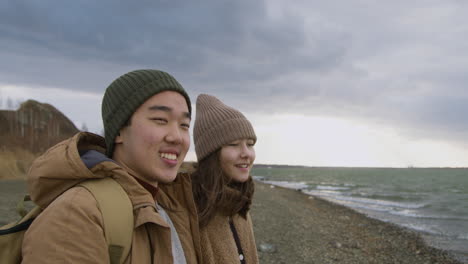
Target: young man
{"points": [[146, 116]]}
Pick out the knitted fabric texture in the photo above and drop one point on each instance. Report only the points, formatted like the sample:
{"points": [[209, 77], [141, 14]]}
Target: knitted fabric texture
{"points": [[217, 124], [128, 92]]}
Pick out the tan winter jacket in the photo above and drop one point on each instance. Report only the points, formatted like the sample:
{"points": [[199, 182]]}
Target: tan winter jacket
{"points": [[70, 229], [219, 246]]}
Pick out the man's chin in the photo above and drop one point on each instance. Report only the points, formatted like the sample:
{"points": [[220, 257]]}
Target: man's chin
{"points": [[168, 178]]}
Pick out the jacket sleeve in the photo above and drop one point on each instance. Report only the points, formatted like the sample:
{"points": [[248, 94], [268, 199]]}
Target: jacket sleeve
{"points": [[69, 230]]}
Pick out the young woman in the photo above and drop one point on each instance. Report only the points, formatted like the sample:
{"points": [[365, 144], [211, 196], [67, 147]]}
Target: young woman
{"points": [[222, 185]]}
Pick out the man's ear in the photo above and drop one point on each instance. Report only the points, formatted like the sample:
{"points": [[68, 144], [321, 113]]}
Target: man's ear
{"points": [[118, 139]]}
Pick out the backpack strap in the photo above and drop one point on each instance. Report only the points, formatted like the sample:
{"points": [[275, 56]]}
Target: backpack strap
{"points": [[117, 214], [11, 237]]}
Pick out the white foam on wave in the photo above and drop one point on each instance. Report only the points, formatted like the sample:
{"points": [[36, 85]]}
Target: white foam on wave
{"points": [[289, 185], [333, 188], [416, 214], [423, 228], [367, 201], [407, 213], [365, 207]]}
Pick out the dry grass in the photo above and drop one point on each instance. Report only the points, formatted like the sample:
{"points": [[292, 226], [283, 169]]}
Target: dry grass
{"points": [[14, 164]]}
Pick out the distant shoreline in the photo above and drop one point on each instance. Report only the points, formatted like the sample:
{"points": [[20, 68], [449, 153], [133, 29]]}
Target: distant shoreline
{"points": [[347, 167]]}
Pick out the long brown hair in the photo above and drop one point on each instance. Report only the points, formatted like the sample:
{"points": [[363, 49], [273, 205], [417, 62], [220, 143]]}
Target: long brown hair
{"points": [[214, 191]]}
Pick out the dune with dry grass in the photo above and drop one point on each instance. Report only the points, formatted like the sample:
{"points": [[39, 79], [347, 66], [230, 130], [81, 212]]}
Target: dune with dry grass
{"points": [[15, 163]]}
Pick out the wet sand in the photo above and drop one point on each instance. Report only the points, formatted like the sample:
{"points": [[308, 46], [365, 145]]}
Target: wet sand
{"points": [[291, 227]]}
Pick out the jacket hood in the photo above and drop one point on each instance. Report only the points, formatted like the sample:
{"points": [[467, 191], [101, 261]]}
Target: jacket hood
{"points": [[61, 167], [75, 160]]}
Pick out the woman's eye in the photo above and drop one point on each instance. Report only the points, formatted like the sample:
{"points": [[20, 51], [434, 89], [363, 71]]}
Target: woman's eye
{"points": [[187, 126]]}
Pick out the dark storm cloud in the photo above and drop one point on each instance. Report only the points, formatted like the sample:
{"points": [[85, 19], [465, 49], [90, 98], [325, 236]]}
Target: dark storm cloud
{"points": [[214, 42], [399, 63]]}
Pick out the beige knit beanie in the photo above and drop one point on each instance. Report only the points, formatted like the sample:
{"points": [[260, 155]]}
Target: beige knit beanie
{"points": [[217, 124]]}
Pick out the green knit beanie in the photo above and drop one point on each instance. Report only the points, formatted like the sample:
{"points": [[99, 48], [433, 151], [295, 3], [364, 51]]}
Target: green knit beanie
{"points": [[130, 91], [217, 124]]}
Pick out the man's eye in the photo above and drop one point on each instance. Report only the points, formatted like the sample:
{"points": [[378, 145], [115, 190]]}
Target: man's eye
{"points": [[159, 120]]}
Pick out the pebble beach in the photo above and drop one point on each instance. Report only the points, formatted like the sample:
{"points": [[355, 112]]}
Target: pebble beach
{"points": [[292, 227]]}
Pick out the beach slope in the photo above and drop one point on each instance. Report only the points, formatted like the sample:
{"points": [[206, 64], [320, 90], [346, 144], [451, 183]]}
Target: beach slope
{"points": [[291, 227]]}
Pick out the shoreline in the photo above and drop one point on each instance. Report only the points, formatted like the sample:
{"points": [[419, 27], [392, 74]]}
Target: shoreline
{"points": [[293, 227]]}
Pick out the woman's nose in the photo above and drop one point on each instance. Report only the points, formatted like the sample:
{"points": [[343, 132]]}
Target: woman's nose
{"points": [[246, 152]]}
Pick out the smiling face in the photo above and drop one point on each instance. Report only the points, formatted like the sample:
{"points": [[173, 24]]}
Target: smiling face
{"points": [[154, 145], [237, 158]]}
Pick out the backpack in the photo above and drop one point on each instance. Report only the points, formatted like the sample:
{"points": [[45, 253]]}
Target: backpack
{"points": [[117, 214]]}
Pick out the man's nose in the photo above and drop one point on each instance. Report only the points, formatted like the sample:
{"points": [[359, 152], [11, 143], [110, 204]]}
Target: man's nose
{"points": [[174, 134]]}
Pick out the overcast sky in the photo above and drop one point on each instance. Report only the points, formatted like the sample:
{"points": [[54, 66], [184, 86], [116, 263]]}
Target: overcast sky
{"points": [[325, 83]]}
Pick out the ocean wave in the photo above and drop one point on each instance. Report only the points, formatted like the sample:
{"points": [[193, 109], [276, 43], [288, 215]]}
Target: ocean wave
{"points": [[422, 215], [289, 185], [411, 213], [368, 201], [349, 185], [332, 188], [390, 196], [423, 228], [388, 204]]}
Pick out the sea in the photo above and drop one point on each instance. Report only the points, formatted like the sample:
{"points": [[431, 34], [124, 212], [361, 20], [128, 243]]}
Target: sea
{"points": [[431, 201]]}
